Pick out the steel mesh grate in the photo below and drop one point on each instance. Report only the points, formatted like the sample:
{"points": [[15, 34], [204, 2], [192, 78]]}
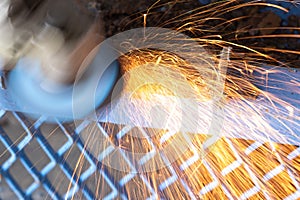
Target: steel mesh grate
{"points": [[56, 162]]}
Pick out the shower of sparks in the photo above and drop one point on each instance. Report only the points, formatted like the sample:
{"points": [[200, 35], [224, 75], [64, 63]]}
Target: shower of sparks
{"points": [[255, 167]]}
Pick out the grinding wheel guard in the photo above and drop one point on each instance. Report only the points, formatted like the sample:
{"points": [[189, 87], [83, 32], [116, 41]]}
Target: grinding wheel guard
{"points": [[28, 93]]}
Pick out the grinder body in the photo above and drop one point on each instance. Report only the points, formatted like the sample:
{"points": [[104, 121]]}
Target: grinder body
{"points": [[58, 52]]}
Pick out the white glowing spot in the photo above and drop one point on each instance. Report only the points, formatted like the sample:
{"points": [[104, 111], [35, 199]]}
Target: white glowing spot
{"points": [[290, 109]]}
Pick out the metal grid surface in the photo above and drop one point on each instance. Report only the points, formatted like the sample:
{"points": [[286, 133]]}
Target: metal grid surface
{"points": [[42, 161], [57, 161]]}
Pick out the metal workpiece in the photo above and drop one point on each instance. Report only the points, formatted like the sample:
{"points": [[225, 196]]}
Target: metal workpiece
{"points": [[43, 151]]}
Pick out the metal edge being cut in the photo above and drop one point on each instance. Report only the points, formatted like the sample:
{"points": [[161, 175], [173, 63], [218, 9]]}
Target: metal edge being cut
{"points": [[282, 122], [285, 93]]}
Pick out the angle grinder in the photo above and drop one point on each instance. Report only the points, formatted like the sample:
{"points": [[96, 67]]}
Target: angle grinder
{"points": [[50, 48]]}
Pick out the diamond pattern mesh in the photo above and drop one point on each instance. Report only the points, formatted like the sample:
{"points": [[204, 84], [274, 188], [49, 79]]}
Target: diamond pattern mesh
{"points": [[42, 161]]}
